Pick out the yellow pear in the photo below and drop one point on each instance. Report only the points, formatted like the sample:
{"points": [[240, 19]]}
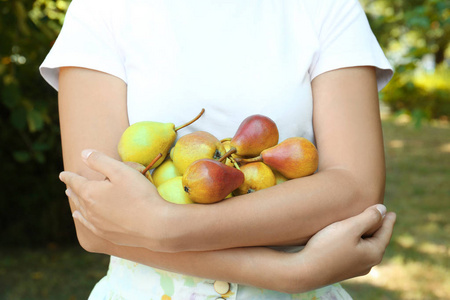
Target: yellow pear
{"points": [[279, 177], [171, 153], [139, 167], [142, 141], [227, 145], [195, 146], [258, 176], [164, 172], [172, 190]]}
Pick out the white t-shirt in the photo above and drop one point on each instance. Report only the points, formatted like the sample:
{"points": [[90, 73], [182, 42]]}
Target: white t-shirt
{"points": [[232, 57]]}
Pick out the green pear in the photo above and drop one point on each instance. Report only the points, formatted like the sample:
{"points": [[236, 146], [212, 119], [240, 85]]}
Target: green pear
{"points": [[143, 141], [172, 190], [195, 146], [164, 172]]}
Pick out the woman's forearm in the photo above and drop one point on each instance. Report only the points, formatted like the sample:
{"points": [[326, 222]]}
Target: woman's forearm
{"points": [[336, 253], [287, 214], [258, 267]]}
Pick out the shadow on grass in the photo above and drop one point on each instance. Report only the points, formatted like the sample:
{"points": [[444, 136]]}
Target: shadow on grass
{"points": [[369, 292], [54, 274]]}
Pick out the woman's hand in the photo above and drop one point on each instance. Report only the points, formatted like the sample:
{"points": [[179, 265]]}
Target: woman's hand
{"points": [[125, 209], [344, 250]]}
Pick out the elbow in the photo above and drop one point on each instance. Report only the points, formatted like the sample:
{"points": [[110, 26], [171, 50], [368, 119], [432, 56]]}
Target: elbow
{"points": [[373, 189], [89, 241], [362, 190], [369, 191], [87, 245]]}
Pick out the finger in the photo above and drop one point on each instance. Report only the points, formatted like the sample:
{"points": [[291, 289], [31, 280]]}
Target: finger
{"points": [[103, 164], [382, 211], [73, 181], [384, 234], [78, 205], [369, 220]]}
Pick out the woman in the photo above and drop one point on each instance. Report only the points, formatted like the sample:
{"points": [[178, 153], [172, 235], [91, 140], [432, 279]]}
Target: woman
{"points": [[312, 66]]}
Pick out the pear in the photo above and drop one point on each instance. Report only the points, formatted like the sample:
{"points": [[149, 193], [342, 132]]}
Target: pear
{"points": [[164, 172], [209, 181], [294, 157], [230, 159], [195, 146], [141, 168], [255, 133], [258, 176], [279, 177], [142, 141], [172, 191]]}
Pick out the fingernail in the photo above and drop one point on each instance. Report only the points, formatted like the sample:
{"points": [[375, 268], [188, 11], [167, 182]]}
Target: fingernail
{"points": [[60, 176], [382, 209], [68, 192], [86, 153]]}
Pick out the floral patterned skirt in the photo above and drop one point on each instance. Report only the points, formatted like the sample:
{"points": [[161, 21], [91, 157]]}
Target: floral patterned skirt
{"points": [[127, 280]]}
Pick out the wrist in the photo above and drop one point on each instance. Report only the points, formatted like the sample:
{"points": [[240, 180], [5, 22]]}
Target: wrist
{"points": [[296, 273], [172, 224]]}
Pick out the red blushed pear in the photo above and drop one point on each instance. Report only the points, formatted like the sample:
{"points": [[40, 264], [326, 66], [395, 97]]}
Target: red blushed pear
{"points": [[255, 133], [295, 157], [209, 181]]}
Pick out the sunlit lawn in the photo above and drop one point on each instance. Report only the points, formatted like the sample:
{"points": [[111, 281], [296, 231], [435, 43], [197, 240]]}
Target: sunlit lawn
{"points": [[416, 264]]}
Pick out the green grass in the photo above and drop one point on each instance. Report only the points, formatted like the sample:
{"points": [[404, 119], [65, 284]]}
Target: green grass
{"points": [[51, 273], [416, 264]]}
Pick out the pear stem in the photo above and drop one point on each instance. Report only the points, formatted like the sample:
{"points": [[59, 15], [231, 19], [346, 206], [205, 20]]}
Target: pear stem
{"points": [[236, 165], [248, 160], [190, 122], [150, 165], [229, 152]]}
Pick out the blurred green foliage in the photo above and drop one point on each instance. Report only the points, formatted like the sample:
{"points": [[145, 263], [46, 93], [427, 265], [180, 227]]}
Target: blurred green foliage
{"points": [[415, 35], [33, 208]]}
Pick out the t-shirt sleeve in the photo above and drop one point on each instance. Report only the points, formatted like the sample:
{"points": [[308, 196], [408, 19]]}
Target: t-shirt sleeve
{"points": [[345, 39], [86, 40]]}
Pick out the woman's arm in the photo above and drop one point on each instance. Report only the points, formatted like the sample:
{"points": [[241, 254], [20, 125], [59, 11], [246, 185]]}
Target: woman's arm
{"points": [[92, 113], [336, 253], [95, 117], [350, 178]]}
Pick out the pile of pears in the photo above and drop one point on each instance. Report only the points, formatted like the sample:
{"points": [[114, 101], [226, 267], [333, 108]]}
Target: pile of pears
{"points": [[201, 168]]}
